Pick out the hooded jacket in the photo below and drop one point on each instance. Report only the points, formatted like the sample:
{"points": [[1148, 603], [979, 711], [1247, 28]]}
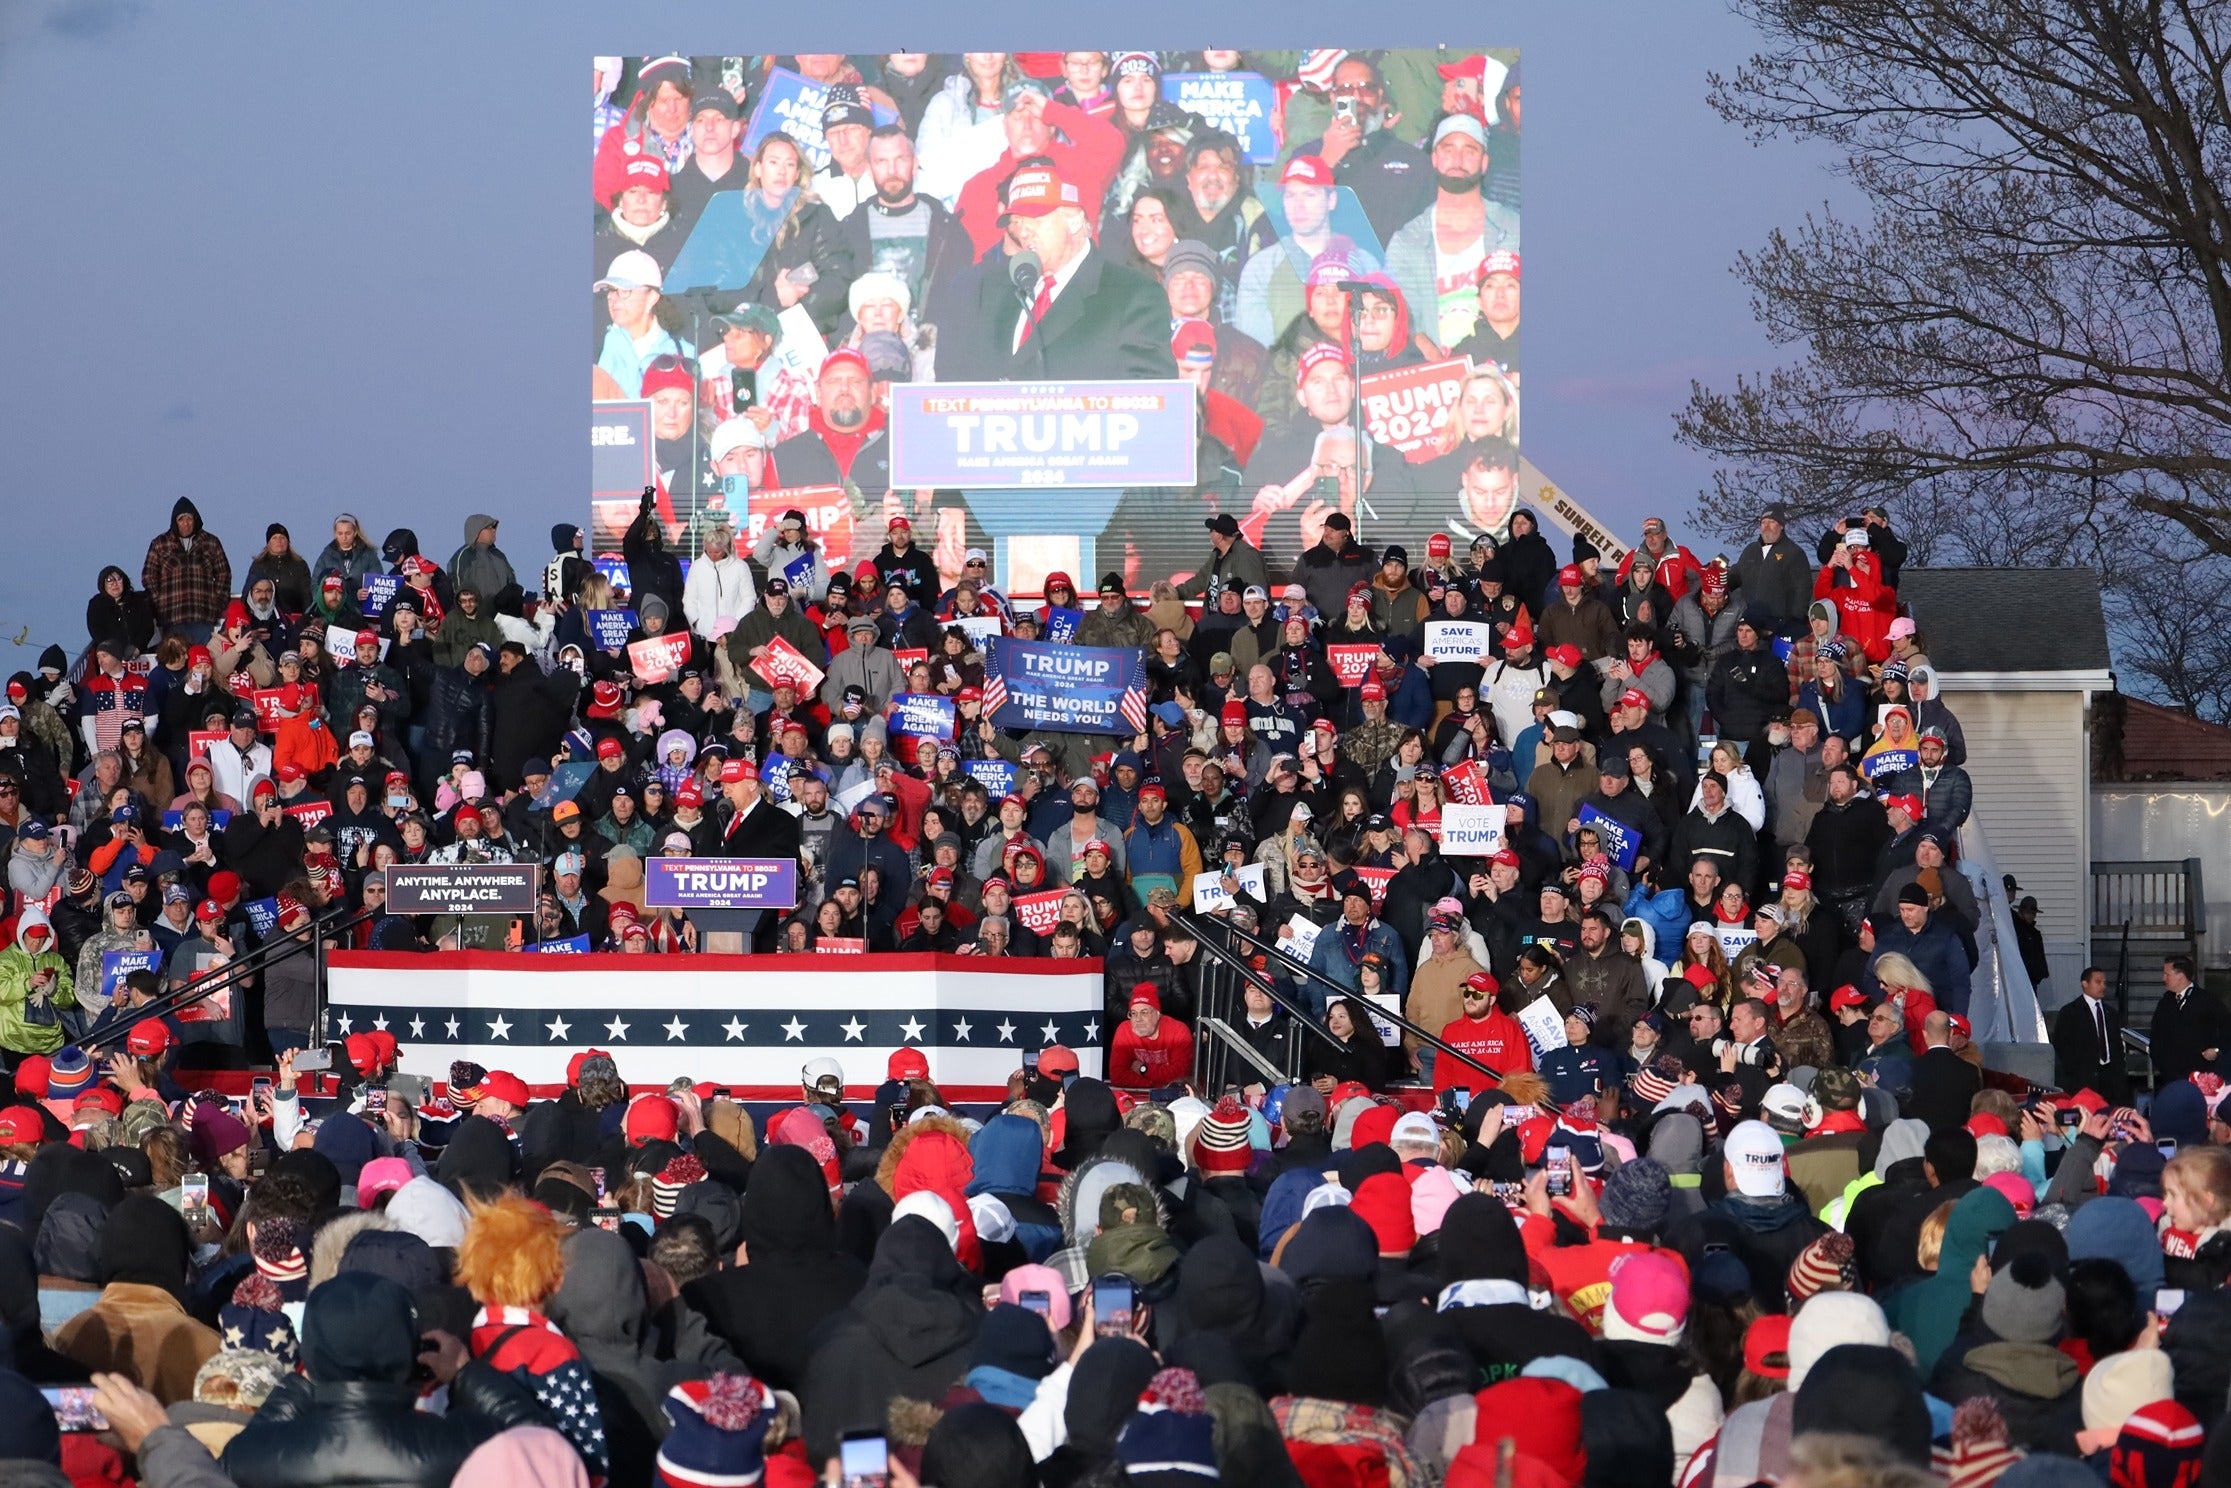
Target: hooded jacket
{"points": [[189, 582], [908, 1333], [793, 1279], [1009, 1154], [484, 568], [603, 1307], [29, 1023], [129, 617], [352, 1417], [1929, 1312]]}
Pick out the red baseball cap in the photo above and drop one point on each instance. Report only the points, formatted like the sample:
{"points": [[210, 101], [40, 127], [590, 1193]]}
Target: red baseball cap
{"points": [[844, 356], [971, 695], [1306, 170], [1566, 655], [1517, 638], [1316, 356], [1437, 546], [1570, 577], [1961, 1026], [1154, 789], [1634, 697], [290, 772], [1057, 1059], [738, 769], [644, 170], [1506, 858], [209, 909], [31, 1076], [1797, 878], [21, 1124], [907, 1064], [107, 1098], [1846, 996], [505, 1086], [609, 747], [1501, 261], [149, 1038], [1036, 192], [1373, 691], [1483, 981]]}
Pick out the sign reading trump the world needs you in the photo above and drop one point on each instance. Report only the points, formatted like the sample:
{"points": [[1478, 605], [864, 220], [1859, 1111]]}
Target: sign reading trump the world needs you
{"points": [[989, 435], [1067, 689]]}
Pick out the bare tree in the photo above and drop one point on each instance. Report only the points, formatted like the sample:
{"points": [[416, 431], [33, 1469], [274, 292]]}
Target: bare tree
{"points": [[2024, 353]]}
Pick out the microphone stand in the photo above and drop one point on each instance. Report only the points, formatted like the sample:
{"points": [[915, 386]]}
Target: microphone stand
{"points": [[1024, 273]]}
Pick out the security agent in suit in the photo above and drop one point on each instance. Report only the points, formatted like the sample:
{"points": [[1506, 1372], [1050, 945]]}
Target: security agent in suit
{"points": [[2088, 1044], [1080, 318]]}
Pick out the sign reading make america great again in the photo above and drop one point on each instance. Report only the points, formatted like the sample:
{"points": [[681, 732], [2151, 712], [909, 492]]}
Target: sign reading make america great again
{"points": [[462, 888], [720, 883], [1001, 435]]}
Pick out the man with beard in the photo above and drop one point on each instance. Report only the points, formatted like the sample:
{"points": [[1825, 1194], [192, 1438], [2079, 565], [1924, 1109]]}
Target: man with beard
{"points": [[843, 441], [1484, 473], [899, 232], [1217, 210], [1437, 255], [1389, 177]]}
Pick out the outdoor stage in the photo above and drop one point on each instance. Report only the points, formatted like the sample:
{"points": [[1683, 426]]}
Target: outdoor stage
{"points": [[747, 1022]]}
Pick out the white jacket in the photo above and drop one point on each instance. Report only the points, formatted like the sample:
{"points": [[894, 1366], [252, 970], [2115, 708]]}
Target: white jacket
{"points": [[718, 588], [1744, 798]]}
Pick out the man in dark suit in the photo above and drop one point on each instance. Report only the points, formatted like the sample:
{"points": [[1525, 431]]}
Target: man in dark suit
{"points": [[2190, 1026], [1088, 318], [1944, 1084], [2088, 1044]]}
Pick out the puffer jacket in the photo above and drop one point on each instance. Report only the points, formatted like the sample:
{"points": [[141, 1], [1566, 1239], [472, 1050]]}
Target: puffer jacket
{"points": [[354, 1418]]}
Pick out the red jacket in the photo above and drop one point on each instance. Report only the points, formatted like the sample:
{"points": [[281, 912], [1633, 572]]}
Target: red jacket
{"points": [[1142, 1064], [1677, 570], [1086, 152], [1864, 606], [1496, 1040]]}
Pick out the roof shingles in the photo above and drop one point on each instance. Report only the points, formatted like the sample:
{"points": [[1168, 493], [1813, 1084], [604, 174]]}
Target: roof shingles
{"points": [[2008, 619]]}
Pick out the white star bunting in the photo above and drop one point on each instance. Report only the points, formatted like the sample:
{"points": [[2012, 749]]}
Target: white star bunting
{"points": [[675, 1027], [451, 1025], [617, 1028], [380, 1023], [853, 1029], [418, 1028], [346, 1028], [961, 1029], [558, 1027], [1092, 1031], [1006, 1031], [735, 1027], [911, 1030], [500, 1027], [1052, 1033], [795, 1029]]}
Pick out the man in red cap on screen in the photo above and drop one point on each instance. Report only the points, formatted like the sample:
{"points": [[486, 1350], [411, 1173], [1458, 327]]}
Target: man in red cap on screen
{"points": [[1079, 316]]}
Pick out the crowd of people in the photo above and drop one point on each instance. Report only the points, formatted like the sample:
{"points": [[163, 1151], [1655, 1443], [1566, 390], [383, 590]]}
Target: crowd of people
{"points": [[1679, 1163], [781, 240]]}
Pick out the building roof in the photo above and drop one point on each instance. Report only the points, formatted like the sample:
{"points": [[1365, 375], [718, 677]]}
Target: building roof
{"points": [[2135, 740], [2008, 619]]}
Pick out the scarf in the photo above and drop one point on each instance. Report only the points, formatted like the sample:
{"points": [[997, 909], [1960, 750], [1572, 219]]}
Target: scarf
{"points": [[641, 235]]}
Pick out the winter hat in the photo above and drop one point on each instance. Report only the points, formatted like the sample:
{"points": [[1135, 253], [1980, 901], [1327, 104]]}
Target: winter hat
{"points": [[68, 1073], [1341, 1352], [381, 1175], [431, 1212], [1170, 1440], [1829, 1264], [2122, 1384], [2161, 1443], [1830, 1320], [925, 1204], [1637, 1196], [1540, 1418], [1865, 1390], [2179, 1112], [1014, 1339], [2018, 1190], [1220, 1142], [668, 1182], [254, 1319], [1383, 1202], [718, 1432], [240, 1380], [2116, 1229], [347, 1143], [216, 1132], [2025, 1301], [1649, 1300], [653, 1118], [523, 1457]]}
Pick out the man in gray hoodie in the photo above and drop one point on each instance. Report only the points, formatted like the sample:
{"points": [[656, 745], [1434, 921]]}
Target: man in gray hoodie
{"points": [[480, 564]]}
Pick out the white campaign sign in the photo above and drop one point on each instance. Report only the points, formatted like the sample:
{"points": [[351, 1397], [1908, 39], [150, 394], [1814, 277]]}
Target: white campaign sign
{"points": [[1457, 640], [1208, 888], [1299, 937], [1544, 1025], [1472, 831], [1733, 938]]}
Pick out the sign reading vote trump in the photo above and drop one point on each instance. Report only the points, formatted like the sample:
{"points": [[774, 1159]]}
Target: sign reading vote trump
{"points": [[990, 435], [720, 883]]}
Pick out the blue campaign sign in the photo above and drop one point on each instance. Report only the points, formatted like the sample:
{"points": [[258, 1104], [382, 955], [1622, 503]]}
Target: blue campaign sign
{"points": [[379, 593], [798, 573], [117, 965], [720, 883], [172, 820], [613, 569], [922, 715], [1070, 689], [1061, 625], [997, 775], [793, 104], [1004, 435], [263, 916], [1239, 103], [572, 945], [1888, 763], [566, 779], [1619, 839], [621, 459], [609, 628]]}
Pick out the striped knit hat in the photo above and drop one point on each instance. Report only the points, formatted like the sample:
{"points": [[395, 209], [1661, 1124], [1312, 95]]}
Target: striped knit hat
{"points": [[1829, 1264], [1170, 1440], [68, 1073], [1220, 1142], [719, 1433], [2160, 1444], [1978, 1453], [667, 1184]]}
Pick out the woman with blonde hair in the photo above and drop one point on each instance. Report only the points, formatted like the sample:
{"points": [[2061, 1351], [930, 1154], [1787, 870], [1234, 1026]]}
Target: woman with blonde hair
{"points": [[1700, 950]]}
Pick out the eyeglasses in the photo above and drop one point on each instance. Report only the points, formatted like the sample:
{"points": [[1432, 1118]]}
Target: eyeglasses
{"points": [[976, 563]]}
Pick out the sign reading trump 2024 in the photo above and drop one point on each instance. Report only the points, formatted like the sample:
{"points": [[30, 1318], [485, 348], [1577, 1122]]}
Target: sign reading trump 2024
{"points": [[720, 883], [993, 435], [1068, 689]]}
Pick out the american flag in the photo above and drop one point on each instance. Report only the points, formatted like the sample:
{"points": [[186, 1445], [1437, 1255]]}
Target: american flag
{"points": [[1134, 696], [1317, 68], [995, 692]]}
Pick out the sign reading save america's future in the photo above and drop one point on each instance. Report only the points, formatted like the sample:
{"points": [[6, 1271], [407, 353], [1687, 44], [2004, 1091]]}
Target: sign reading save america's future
{"points": [[994, 435], [720, 883], [1068, 689]]}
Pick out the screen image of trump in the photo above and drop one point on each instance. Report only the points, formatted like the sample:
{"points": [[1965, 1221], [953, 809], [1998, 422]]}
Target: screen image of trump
{"points": [[1305, 266]]}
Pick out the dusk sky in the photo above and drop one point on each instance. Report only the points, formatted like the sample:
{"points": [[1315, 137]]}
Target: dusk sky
{"points": [[292, 259]]}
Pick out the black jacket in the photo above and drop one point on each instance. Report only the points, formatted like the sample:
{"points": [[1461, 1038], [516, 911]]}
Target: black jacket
{"points": [[945, 252], [770, 1309], [908, 1333], [528, 713], [1944, 1086], [129, 618], [1744, 688], [819, 240], [1845, 841], [2082, 1061], [459, 715], [2182, 1033], [1108, 322]]}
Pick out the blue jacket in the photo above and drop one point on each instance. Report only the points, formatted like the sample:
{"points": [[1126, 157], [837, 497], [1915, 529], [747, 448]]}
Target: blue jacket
{"points": [[1008, 1153], [1156, 849], [1846, 716], [1331, 958], [1936, 952]]}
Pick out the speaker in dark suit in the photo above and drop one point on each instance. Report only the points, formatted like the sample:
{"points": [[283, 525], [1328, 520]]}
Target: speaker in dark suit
{"points": [[2088, 1044], [1089, 319]]}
